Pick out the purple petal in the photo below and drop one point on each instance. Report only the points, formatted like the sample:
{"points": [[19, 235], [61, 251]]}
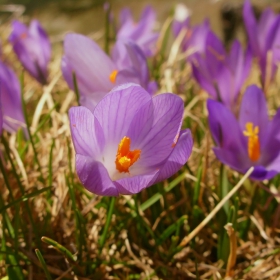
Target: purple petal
{"points": [[233, 158], [130, 58], [86, 132], [11, 100], [32, 48], [152, 87], [94, 176], [261, 173], [226, 130], [125, 15], [239, 64], [196, 39], [140, 33], [178, 157], [202, 75], [251, 26], [90, 64], [135, 184], [117, 109], [271, 146], [253, 109], [155, 127]]}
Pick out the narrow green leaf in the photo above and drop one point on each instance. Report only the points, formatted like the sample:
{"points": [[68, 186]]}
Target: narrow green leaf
{"points": [[107, 224], [59, 248], [43, 263]]}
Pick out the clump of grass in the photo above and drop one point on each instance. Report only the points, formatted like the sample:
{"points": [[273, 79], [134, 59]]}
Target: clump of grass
{"points": [[52, 228]]}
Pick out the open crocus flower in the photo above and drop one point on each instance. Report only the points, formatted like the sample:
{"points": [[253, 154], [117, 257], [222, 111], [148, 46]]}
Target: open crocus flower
{"points": [[32, 48], [129, 141], [252, 140], [219, 73], [97, 73], [11, 100], [142, 32], [264, 39]]}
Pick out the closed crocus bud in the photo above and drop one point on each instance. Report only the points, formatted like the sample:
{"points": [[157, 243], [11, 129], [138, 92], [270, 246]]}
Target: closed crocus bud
{"points": [[219, 73], [32, 47], [11, 115], [141, 32]]}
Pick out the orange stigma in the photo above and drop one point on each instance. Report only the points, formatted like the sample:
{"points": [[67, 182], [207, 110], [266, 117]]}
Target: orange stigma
{"points": [[113, 76], [253, 141], [126, 158]]}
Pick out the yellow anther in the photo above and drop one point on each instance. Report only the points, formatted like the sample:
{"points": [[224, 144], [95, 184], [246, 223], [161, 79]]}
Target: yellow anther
{"points": [[126, 158], [113, 76], [253, 141]]}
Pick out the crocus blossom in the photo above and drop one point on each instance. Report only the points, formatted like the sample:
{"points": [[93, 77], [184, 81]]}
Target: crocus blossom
{"points": [[32, 48], [252, 140], [129, 141], [264, 39], [194, 40], [97, 73], [220, 73], [139, 32], [13, 117]]}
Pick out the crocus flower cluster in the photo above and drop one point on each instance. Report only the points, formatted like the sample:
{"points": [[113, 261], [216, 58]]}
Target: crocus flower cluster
{"points": [[141, 33], [252, 140], [12, 114], [129, 141], [32, 48], [219, 73], [97, 73], [264, 40]]}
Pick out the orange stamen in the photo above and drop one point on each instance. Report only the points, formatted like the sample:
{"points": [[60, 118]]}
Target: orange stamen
{"points": [[126, 158], [253, 141], [113, 76]]}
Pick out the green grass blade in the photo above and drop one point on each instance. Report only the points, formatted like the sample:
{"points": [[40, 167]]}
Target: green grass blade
{"points": [[43, 263]]}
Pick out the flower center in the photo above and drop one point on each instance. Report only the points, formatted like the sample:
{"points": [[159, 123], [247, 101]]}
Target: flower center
{"points": [[113, 76], [253, 141], [126, 158]]}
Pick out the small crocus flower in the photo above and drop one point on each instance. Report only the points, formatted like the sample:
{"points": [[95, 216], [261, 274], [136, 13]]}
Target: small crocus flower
{"points": [[129, 141], [32, 48], [12, 113], [219, 73], [252, 140], [264, 39], [97, 73], [141, 33], [194, 40]]}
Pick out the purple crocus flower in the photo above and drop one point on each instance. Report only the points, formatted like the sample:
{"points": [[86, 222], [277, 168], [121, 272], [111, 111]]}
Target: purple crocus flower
{"points": [[220, 73], [252, 140], [142, 32], [129, 141], [195, 37], [11, 100], [32, 48], [264, 39], [97, 73]]}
